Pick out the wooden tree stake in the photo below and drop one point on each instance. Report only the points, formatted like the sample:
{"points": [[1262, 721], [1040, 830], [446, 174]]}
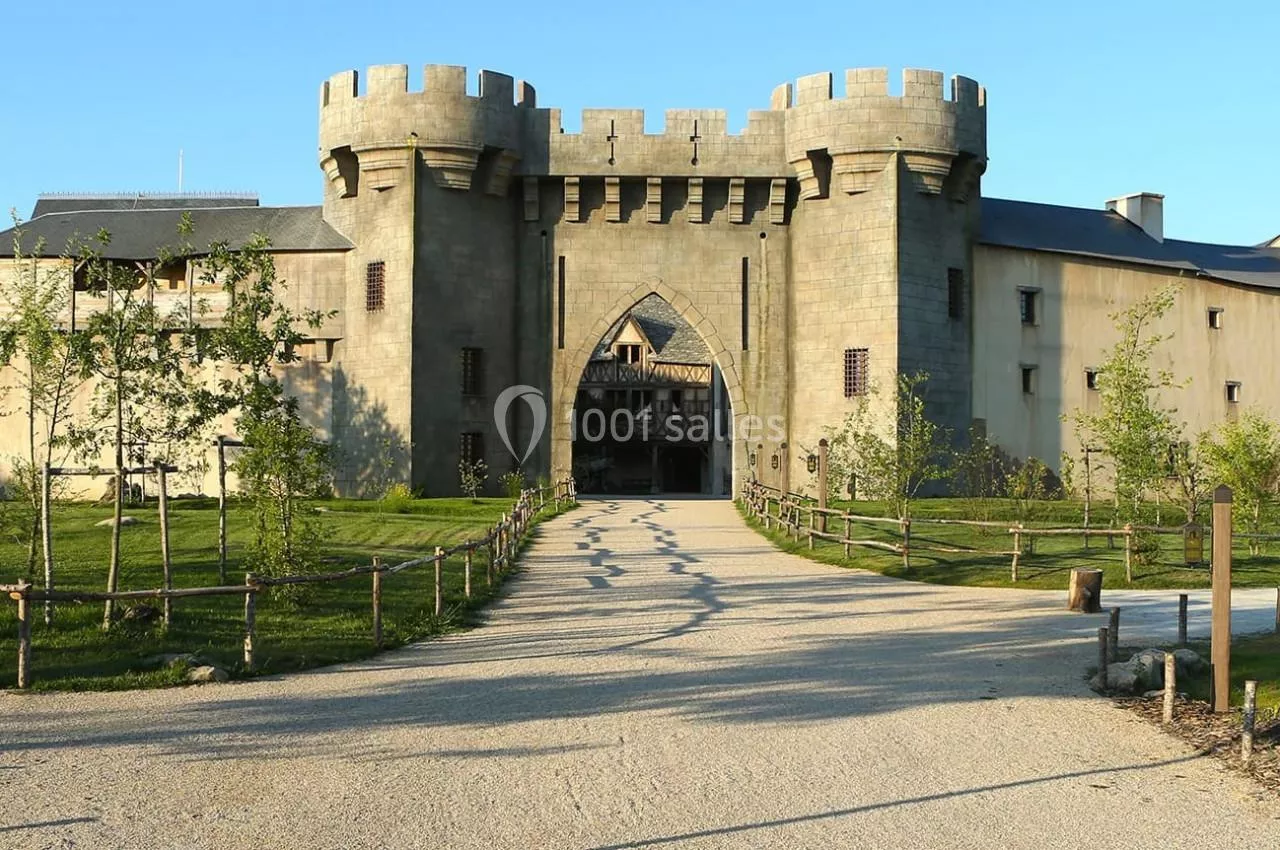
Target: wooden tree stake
{"points": [[439, 581], [222, 510], [166, 561], [1170, 685], [1017, 550], [46, 535], [467, 573], [24, 635], [250, 619], [1128, 553], [1113, 635], [377, 602]]}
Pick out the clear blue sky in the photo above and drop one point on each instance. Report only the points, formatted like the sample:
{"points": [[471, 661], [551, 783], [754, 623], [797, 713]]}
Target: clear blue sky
{"points": [[1087, 99]]}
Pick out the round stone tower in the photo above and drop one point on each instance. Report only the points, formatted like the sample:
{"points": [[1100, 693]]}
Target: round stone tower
{"points": [[881, 240], [418, 181]]}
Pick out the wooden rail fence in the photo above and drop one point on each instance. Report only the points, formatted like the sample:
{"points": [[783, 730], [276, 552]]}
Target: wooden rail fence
{"points": [[502, 544]]}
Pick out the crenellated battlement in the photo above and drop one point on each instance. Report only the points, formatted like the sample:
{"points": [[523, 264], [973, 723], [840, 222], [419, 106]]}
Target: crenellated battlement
{"points": [[367, 135], [449, 81], [854, 137]]}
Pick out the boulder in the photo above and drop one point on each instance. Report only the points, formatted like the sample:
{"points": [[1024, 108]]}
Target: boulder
{"points": [[110, 521], [1121, 679], [1189, 662], [207, 673], [1149, 667]]}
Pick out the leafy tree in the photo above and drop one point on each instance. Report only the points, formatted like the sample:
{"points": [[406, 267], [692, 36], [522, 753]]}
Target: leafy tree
{"points": [[1245, 455], [46, 372], [1130, 425], [471, 476], [1189, 477], [283, 463], [893, 449], [135, 356]]}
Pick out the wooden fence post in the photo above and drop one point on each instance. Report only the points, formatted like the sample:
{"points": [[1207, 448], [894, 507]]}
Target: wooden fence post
{"points": [[1248, 720], [439, 581], [46, 537], [812, 515], [222, 510], [1220, 635], [1017, 551], [488, 568], [467, 572], [24, 634], [1170, 685], [822, 481], [377, 602], [1113, 635], [1103, 642], [1182, 619], [250, 618], [166, 561], [848, 533], [1128, 553]]}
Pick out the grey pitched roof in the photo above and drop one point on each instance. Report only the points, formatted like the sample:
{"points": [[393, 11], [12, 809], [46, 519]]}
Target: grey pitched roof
{"points": [[674, 339], [145, 234], [1108, 235], [71, 202]]}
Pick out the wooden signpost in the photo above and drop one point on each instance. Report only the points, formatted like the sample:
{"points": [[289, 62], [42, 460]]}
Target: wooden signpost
{"points": [[1220, 635]]}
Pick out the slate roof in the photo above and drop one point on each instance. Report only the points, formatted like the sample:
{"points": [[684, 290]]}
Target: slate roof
{"points": [[674, 340], [60, 202], [142, 234], [1108, 235]]}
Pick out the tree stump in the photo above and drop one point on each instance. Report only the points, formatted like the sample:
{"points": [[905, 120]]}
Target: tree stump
{"points": [[1084, 594]]}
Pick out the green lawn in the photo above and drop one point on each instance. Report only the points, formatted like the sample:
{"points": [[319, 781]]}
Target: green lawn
{"points": [[1047, 566], [331, 622], [1256, 658]]}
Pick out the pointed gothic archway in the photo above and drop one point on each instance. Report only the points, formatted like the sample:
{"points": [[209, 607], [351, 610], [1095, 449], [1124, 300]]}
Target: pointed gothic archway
{"points": [[726, 384]]}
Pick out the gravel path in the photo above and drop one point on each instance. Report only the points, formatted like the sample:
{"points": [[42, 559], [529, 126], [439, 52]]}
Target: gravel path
{"points": [[658, 677]]}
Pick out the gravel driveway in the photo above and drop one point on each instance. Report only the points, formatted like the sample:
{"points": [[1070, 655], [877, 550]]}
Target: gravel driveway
{"points": [[658, 677]]}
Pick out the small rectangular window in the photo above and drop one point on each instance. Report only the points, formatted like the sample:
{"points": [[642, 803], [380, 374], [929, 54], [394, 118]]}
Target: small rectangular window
{"points": [[1233, 392], [1029, 380], [472, 371], [1091, 379], [1215, 318], [855, 372], [375, 292], [955, 293], [1027, 306], [470, 446]]}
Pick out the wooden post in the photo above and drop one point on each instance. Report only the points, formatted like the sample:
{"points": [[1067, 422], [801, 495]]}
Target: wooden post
{"points": [[1250, 716], [166, 561], [222, 510], [1017, 550], [1128, 553], [467, 572], [906, 544], [439, 581], [250, 618], [1182, 619], [848, 533], [822, 481], [1170, 685], [812, 516], [24, 634], [1220, 635], [377, 603], [1103, 644], [488, 568], [46, 537], [1113, 635]]}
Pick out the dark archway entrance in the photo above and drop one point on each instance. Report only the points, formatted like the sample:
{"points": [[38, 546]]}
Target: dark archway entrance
{"points": [[651, 414]]}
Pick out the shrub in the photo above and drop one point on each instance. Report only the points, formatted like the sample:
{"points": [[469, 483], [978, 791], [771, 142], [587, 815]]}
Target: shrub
{"points": [[397, 499], [512, 483]]}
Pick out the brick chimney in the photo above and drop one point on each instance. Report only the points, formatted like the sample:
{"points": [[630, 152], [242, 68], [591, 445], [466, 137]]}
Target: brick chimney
{"points": [[1145, 209]]}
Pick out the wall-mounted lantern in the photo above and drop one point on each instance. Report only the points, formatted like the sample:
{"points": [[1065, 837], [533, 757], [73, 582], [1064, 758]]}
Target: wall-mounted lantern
{"points": [[751, 459], [773, 462], [812, 463]]}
